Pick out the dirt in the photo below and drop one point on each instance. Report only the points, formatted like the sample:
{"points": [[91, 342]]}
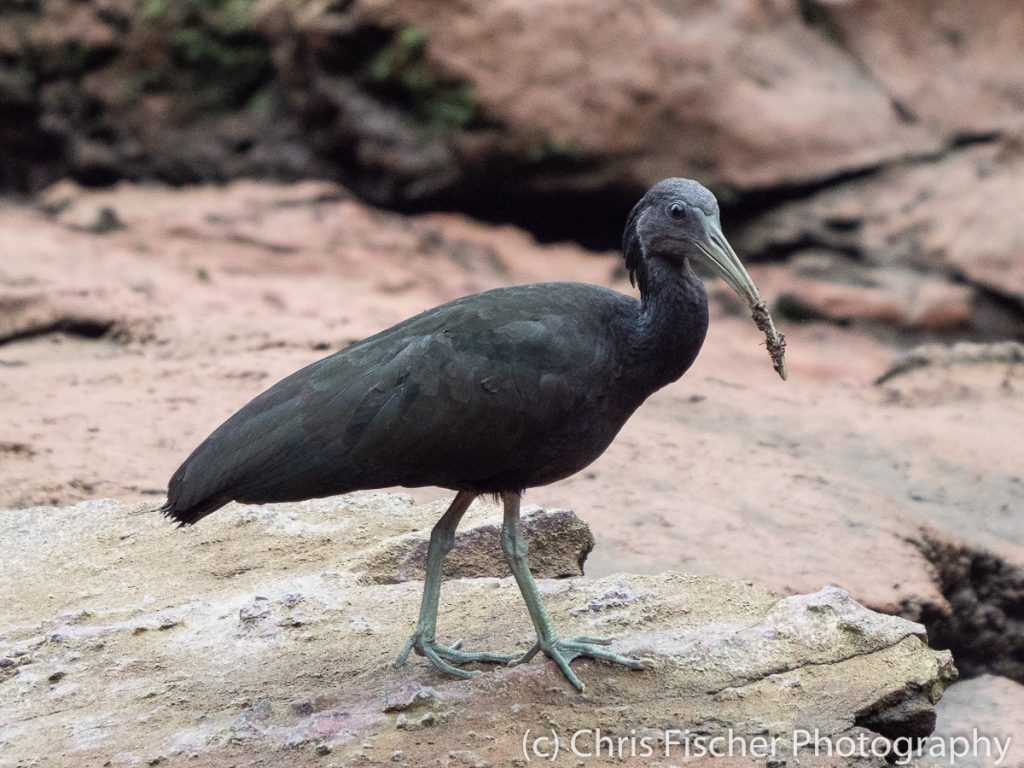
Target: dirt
{"points": [[774, 340]]}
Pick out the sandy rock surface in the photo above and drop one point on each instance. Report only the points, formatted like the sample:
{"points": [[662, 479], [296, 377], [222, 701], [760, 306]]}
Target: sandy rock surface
{"points": [[128, 641]]}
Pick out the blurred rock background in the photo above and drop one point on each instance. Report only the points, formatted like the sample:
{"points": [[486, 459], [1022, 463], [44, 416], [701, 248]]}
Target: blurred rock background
{"points": [[873, 148]]}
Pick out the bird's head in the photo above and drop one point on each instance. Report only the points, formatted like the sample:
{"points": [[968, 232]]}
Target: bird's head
{"points": [[678, 220]]}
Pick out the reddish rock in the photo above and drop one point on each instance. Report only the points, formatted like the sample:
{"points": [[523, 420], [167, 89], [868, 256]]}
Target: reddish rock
{"points": [[950, 222], [953, 66], [430, 100], [742, 93], [823, 285]]}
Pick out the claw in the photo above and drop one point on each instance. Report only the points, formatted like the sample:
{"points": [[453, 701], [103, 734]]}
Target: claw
{"points": [[443, 665], [526, 657]]}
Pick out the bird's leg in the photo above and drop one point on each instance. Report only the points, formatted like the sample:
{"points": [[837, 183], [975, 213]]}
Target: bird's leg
{"points": [[442, 539], [562, 652]]}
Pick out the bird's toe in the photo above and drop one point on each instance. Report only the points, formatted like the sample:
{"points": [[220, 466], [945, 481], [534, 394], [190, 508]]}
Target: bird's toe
{"points": [[589, 640], [444, 666], [446, 657], [453, 654], [564, 652]]}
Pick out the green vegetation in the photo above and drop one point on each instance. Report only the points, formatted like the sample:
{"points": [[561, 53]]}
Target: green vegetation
{"points": [[230, 17], [441, 105], [226, 17], [555, 151], [264, 104], [154, 9], [235, 69]]}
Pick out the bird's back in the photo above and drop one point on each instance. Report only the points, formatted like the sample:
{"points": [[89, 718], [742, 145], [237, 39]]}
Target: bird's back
{"points": [[500, 390]]}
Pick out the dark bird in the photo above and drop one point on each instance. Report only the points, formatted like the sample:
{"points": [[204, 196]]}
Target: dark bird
{"points": [[492, 393]]}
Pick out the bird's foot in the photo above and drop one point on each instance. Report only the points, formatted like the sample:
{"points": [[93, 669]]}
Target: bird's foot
{"points": [[562, 652], [445, 657]]}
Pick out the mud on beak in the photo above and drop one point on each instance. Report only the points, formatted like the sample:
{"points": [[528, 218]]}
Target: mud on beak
{"points": [[720, 256]]}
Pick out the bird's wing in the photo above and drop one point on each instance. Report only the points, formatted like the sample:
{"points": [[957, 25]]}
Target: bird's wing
{"points": [[447, 398], [452, 399]]}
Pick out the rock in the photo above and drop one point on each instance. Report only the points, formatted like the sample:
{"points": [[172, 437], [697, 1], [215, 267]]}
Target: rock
{"points": [[108, 91], [238, 275], [975, 51], [823, 285], [21, 135], [221, 291], [986, 706], [423, 103], [410, 697], [559, 544], [951, 220], [947, 356], [752, 95], [728, 654]]}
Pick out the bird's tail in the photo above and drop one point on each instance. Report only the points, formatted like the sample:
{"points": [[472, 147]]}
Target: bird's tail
{"points": [[191, 515], [189, 498]]}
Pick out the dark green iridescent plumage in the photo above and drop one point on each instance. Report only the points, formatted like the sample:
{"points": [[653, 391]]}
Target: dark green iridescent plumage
{"points": [[498, 391]]}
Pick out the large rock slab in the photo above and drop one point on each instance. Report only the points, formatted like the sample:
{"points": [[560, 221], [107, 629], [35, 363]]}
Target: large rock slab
{"points": [[587, 96], [976, 47], [426, 100], [130, 642], [917, 234], [559, 544]]}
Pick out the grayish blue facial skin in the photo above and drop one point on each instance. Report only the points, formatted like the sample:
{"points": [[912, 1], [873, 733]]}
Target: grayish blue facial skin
{"points": [[681, 219]]}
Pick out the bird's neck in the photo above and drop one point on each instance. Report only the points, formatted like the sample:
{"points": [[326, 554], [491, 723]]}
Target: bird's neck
{"points": [[671, 323]]}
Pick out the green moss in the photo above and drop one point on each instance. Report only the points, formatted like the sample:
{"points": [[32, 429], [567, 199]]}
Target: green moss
{"points": [[154, 9], [403, 66], [229, 17], [226, 72], [451, 107], [264, 104], [73, 57], [404, 60], [565, 152]]}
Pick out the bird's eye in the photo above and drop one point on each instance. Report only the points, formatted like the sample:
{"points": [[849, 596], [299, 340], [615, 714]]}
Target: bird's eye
{"points": [[676, 211]]}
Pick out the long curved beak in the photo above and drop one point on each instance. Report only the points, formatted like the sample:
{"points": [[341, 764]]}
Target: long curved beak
{"points": [[724, 261]]}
